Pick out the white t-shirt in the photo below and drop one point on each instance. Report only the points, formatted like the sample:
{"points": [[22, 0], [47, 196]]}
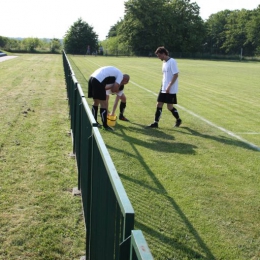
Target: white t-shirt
{"points": [[169, 68], [106, 72]]}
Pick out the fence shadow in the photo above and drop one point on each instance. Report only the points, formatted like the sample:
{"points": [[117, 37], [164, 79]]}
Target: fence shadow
{"points": [[220, 139], [160, 238]]}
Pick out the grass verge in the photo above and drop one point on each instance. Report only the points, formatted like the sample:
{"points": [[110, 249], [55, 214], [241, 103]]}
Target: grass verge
{"points": [[39, 217]]}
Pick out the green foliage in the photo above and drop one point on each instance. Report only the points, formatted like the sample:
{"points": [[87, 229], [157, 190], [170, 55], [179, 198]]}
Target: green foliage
{"points": [[149, 24], [79, 36], [230, 31], [113, 31], [216, 32], [8, 43], [140, 28], [3, 41], [113, 46], [55, 45], [235, 32], [253, 32], [177, 25], [31, 44]]}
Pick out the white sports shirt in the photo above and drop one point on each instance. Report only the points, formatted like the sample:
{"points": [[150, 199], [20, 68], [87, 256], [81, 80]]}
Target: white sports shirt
{"points": [[169, 68], [106, 72]]}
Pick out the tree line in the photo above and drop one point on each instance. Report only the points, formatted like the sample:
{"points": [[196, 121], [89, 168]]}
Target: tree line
{"points": [[178, 25], [175, 24], [30, 44]]}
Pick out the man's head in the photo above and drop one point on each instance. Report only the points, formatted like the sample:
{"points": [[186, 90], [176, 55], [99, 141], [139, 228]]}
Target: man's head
{"points": [[162, 53], [125, 80]]}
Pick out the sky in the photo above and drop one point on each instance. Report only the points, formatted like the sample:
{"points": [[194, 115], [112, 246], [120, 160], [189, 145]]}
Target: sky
{"points": [[53, 18]]}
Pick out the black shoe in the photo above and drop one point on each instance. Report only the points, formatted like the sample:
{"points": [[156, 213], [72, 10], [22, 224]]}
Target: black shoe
{"points": [[178, 122], [123, 118], [99, 125], [108, 128], [153, 125]]}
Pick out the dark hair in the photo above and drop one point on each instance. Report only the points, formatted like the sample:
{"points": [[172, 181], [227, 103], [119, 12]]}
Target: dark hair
{"points": [[162, 50]]}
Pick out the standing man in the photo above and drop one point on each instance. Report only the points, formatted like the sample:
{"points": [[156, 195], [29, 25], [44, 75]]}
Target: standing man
{"points": [[88, 50], [169, 89], [103, 76], [120, 95]]}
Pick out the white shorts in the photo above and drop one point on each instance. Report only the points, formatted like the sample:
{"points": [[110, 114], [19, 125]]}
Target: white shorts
{"points": [[119, 93]]}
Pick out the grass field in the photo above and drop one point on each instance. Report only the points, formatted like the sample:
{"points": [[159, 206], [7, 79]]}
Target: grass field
{"points": [[195, 189], [39, 217]]}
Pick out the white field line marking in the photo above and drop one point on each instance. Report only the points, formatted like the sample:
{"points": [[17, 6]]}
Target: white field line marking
{"points": [[249, 133], [201, 118], [207, 121], [95, 63]]}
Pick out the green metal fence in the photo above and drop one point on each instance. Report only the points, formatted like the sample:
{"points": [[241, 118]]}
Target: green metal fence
{"points": [[108, 213]]}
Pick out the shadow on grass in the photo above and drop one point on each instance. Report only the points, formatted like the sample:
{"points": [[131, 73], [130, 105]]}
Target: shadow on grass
{"points": [[184, 242], [220, 139], [158, 140], [166, 243], [185, 148], [186, 250]]}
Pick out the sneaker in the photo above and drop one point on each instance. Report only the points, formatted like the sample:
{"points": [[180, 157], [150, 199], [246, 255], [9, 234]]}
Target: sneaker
{"points": [[153, 125], [178, 122], [108, 128], [123, 118]]}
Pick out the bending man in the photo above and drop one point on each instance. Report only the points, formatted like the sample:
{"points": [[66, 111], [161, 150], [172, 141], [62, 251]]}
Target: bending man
{"points": [[98, 80]]}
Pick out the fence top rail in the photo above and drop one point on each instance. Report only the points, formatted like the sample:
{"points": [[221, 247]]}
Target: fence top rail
{"points": [[74, 78], [81, 93], [79, 88], [140, 245], [71, 70], [88, 112], [122, 198]]}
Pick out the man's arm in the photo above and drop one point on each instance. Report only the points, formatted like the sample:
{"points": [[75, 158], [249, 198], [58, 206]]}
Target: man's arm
{"points": [[115, 105], [174, 78]]}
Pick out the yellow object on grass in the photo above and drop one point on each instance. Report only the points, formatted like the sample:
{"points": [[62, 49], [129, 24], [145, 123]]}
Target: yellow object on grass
{"points": [[111, 120]]}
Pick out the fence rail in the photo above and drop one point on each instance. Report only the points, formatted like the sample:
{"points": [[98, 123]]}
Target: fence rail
{"points": [[108, 213]]}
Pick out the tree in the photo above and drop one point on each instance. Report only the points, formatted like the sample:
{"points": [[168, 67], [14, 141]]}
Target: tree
{"points": [[79, 36], [189, 28], [216, 26], [253, 32], [31, 44], [140, 28], [235, 32], [230, 31], [55, 45], [173, 23], [112, 46], [113, 31], [3, 41]]}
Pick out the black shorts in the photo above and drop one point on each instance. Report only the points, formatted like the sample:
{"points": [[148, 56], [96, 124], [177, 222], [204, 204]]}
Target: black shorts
{"points": [[167, 98], [96, 90]]}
